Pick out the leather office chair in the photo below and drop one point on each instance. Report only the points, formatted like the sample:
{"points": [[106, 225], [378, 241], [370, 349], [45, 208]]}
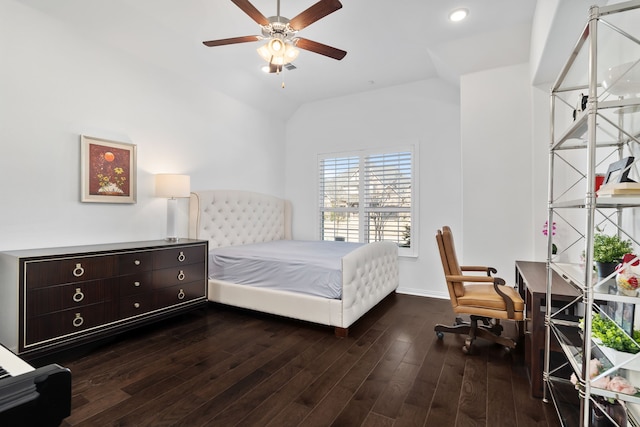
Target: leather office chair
{"points": [[485, 299]]}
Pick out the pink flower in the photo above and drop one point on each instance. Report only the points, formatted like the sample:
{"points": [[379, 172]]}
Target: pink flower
{"points": [[545, 228], [620, 385], [595, 366], [616, 384], [573, 379], [603, 382]]}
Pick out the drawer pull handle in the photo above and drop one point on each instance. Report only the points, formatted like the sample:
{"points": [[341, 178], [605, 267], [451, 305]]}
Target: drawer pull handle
{"points": [[136, 305], [136, 284], [78, 271], [181, 257], [181, 294], [78, 320], [78, 296], [181, 275], [137, 262]]}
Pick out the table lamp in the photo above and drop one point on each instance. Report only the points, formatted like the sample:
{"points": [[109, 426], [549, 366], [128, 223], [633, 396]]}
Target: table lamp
{"points": [[172, 186]]}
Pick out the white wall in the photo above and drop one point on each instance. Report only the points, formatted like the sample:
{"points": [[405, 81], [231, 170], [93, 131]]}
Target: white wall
{"points": [[425, 113], [497, 184], [541, 137], [56, 84]]}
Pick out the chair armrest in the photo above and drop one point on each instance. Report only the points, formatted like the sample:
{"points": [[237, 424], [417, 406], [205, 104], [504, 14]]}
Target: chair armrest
{"points": [[466, 278], [488, 270], [507, 300], [496, 282]]}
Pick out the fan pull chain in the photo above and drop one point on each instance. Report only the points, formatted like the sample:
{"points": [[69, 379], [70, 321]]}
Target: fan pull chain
{"points": [[278, 70]]}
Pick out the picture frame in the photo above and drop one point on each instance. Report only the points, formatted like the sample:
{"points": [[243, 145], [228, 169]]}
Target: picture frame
{"points": [[622, 313], [108, 171], [619, 171]]}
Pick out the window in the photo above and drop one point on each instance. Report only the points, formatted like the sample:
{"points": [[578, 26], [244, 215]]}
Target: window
{"points": [[368, 196]]}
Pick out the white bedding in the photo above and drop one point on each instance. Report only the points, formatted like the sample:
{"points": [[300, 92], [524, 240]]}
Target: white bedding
{"points": [[304, 266]]}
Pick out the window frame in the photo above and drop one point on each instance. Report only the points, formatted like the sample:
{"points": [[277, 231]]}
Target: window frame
{"points": [[361, 155]]}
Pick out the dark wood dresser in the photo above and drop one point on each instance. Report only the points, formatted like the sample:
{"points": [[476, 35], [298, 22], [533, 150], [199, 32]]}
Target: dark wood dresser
{"points": [[59, 297]]}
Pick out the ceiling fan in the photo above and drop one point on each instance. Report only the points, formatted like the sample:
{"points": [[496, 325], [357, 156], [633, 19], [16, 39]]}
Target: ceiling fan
{"points": [[281, 33]]}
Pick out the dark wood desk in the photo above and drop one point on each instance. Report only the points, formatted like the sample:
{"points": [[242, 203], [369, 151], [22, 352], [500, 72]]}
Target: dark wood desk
{"points": [[531, 279]]}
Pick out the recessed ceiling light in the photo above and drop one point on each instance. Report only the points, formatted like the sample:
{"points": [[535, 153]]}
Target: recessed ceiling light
{"points": [[457, 15]]}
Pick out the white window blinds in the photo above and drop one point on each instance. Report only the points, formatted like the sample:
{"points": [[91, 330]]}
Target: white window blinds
{"points": [[368, 196]]}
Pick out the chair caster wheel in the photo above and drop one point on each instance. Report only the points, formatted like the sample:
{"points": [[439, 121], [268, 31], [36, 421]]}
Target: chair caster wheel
{"points": [[440, 335], [467, 346]]}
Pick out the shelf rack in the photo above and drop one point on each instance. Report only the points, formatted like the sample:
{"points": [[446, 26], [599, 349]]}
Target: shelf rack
{"points": [[581, 143]]}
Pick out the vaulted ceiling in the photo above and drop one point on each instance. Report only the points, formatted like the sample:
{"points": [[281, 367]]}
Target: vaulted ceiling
{"points": [[388, 42]]}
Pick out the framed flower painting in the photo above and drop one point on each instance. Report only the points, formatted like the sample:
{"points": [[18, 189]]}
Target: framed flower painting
{"points": [[108, 171]]}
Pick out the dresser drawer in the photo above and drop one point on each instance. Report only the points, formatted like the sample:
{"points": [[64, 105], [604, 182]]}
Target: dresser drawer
{"points": [[134, 283], [68, 270], [176, 275], [59, 324], [47, 300], [174, 257], [134, 305], [135, 262], [176, 294]]}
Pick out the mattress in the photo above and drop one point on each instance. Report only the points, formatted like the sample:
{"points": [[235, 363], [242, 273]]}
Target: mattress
{"points": [[304, 266]]}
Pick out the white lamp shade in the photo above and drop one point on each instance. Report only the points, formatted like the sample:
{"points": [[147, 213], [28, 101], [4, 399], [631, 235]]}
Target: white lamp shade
{"points": [[170, 185]]}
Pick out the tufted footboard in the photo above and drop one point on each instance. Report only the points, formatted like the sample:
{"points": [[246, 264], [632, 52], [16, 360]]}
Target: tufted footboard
{"points": [[369, 274]]}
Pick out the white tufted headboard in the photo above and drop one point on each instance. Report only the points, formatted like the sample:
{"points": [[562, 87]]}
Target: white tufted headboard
{"points": [[230, 217]]}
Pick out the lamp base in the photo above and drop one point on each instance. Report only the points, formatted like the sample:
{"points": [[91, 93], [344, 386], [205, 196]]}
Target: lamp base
{"points": [[172, 234]]}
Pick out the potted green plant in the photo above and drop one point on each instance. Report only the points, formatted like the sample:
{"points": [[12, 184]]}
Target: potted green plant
{"points": [[608, 251]]}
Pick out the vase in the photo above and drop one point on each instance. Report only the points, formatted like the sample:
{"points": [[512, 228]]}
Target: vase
{"points": [[605, 268], [615, 412], [628, 279]]}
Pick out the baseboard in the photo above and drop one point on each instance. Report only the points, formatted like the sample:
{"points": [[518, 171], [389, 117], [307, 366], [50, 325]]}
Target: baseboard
{"points": [[422, 293]]}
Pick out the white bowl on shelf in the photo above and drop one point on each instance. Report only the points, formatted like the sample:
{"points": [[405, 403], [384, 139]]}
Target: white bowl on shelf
{"points": [[623, 79]]}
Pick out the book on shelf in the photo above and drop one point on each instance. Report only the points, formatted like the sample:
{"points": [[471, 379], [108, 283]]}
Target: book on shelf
{"points": [[620, 189]]}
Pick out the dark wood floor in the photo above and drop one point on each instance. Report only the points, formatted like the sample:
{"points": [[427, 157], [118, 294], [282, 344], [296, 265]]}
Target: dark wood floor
{"points": [[222, 366]]}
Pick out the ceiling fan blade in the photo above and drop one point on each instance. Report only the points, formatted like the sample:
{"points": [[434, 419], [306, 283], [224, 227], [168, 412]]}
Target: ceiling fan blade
{"points": [[314, 13], [320, 48], [251, 10], [232, 40]]}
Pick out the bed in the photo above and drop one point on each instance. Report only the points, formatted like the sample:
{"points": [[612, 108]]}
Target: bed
{"points": [[228, 219]]}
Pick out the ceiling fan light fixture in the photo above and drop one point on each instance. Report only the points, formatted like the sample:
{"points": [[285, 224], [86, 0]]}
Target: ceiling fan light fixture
{"points": [[458, 15], [277, 60], [276, 47], [264, 53], [284, 54], [290, 53]]}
